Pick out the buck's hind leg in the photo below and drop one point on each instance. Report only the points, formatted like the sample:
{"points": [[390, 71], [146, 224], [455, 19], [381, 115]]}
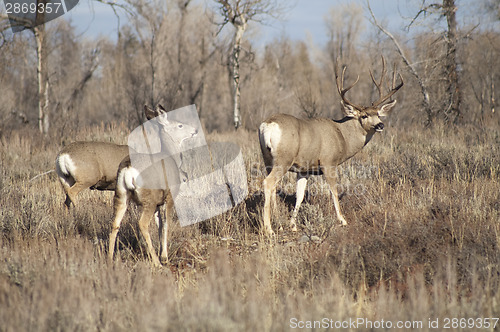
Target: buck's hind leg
{"points": [[270, 183]]}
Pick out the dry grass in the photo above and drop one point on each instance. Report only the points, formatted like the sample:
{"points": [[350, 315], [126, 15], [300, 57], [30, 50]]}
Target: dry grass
{"points": [[422, 243]]}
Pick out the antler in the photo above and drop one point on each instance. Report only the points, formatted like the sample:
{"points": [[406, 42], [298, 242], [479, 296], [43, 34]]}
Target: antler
{"points": [[340, 86], [379, 85]]}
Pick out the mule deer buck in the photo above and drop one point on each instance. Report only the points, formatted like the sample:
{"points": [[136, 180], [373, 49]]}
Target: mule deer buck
{"points": [[93, 165], [131, 172], [318, 146]]}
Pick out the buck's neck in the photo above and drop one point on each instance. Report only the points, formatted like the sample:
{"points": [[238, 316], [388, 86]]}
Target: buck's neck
{"points": [[355, 136]]}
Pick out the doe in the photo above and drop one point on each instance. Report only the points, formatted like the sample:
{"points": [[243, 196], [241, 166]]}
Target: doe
{"points": [[128, 185], [93, 165]]}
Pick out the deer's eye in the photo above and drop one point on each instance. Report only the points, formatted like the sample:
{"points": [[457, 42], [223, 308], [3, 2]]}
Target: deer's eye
{"points": [[364, 116]]}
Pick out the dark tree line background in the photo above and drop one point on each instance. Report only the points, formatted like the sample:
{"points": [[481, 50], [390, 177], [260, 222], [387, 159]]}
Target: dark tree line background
{"points": [[180, 52]]}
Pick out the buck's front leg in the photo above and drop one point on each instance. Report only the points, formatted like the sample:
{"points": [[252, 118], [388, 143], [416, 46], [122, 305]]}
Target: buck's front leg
{"points": [[331, 177], [301, 189]]}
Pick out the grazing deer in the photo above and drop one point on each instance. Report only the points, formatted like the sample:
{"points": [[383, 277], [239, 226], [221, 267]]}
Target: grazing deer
{"points": [[147, 168], [93, 165], [317, 146]]}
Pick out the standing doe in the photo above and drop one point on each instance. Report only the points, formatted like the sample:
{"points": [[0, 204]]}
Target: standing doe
{"points": [[318, 146], [147, 170], [93, 165]]}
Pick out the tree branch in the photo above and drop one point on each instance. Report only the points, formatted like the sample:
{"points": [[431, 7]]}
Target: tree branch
{"points": [[406, 61], [424, 10], [115, 5]]}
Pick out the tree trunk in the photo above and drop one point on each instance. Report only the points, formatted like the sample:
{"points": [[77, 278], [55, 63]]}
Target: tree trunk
{"points": [[492, 101], [453, 89], [152, 67], [180, 33], [42, 71], [235, 61], [43, 79]]}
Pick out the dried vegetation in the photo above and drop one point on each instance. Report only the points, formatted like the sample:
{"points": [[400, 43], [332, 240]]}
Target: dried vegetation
{"points": [[422, 242]]}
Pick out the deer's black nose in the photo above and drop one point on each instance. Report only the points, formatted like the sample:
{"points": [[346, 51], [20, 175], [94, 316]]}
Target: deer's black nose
{"points": [[379, 126]]}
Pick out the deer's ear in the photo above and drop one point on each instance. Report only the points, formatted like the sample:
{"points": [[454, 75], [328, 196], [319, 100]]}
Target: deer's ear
{"points": [[160, 110], [387, 108], [349, 110], [150, 113]]}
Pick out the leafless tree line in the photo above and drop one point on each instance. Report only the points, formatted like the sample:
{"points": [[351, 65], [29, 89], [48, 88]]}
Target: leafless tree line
{"points": [[179, 52]]}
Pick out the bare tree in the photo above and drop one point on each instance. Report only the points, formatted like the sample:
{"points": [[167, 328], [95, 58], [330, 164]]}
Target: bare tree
{"points": [[42, 71], [409, 64], [306, 83], [454, 89], [482, 54], [344, 25], [37, 26], [151, 15], [307, 100], [239, 13], [447, 9], [173, 52]]}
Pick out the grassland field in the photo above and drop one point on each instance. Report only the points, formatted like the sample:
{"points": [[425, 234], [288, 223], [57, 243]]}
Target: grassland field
{"points": [[422, 245]]}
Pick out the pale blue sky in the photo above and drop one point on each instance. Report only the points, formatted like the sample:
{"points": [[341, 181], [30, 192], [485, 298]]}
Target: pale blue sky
{"points": [[305, 20]]}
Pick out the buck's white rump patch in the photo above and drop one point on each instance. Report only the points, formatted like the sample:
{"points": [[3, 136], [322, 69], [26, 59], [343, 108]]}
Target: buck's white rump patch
{"points": [[270, 135]]}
